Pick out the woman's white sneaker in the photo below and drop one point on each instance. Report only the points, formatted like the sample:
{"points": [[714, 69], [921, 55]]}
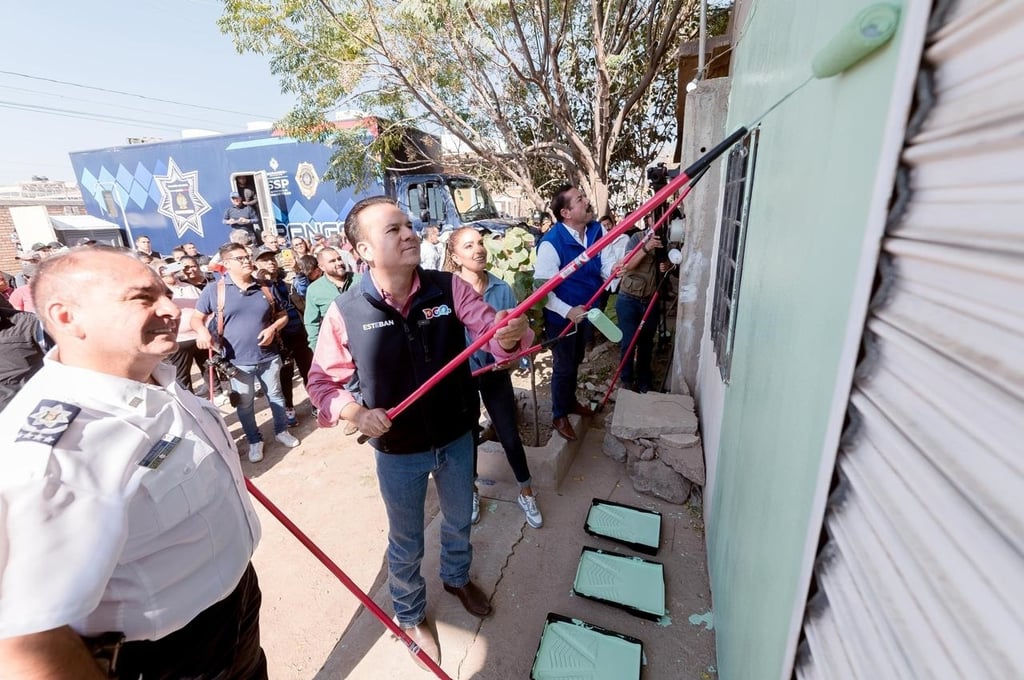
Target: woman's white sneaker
{"points": [[475, 517], [529, 506]]}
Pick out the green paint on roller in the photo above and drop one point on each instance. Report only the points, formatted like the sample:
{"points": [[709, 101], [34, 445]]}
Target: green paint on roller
{"points": [[604, 324], [869, 30]]}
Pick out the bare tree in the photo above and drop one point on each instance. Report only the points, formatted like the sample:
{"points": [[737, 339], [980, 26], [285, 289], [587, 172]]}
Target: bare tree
{"points": [[536, 90]]}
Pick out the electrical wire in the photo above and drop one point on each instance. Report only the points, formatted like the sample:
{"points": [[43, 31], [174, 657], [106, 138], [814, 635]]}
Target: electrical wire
{"points": [[132, 94], [191, 121], [82, 115]]}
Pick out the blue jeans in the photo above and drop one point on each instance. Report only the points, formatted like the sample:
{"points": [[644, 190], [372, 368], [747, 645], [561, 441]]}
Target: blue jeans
{"points": [[269, 375], [566, 356], [636, 371], [403, 486]]}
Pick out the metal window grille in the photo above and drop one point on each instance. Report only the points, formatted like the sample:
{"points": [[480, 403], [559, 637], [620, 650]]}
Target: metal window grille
{"points": [[739, 172]]}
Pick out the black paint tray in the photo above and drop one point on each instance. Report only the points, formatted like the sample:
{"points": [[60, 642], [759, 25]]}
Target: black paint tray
{"points": [[630, 583], [570, 648], [635, 528]]}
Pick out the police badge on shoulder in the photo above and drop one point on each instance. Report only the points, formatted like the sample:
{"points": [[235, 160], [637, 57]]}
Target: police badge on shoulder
{"points": [[47, 422]]}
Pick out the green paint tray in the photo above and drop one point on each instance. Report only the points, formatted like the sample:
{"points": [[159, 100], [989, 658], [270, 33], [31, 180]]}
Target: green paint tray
{"points": [[630, 583], [635, 528], [570, 648]]}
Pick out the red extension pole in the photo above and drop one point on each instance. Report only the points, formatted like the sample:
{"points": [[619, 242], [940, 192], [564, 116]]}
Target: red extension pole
{"points": [[345, 580]]}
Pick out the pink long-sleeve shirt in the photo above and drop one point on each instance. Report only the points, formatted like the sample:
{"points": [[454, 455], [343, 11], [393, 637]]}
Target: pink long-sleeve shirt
{"points": [[333, 366]]}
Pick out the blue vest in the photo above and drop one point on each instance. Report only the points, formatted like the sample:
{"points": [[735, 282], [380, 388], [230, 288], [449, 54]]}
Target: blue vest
{"points": [[394, 355], [585, 281]]}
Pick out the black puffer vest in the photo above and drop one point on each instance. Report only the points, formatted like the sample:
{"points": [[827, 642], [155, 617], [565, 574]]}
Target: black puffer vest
{"points": [[395, 355]]}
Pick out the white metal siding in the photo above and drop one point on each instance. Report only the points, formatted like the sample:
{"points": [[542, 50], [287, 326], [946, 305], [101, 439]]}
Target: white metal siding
{"points": [[921, 574]]}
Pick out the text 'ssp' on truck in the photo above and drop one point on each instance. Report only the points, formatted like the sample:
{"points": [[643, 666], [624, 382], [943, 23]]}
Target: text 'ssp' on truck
{"points": [[179, 191]]}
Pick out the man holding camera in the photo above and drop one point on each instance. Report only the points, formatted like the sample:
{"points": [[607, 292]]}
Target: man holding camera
{"points": [[247, 321]]}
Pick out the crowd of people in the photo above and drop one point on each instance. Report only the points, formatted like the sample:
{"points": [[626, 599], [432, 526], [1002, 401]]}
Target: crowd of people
{"points": [[127, 529]]}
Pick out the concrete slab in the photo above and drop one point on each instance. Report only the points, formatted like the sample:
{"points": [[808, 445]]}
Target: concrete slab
{"points": [[652, 414], [548, 464]]}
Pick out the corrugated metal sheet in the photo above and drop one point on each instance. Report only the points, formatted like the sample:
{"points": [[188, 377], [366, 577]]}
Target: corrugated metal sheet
{"points": [[921, 572]]}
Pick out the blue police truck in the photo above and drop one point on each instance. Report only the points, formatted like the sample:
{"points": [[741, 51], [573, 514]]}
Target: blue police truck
{"points": [[178, 191]]}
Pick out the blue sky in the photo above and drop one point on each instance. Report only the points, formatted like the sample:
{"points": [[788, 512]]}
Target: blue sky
{"points": [[165, 50]]}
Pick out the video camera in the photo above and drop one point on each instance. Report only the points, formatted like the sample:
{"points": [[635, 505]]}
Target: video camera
{"points": [[659, 175]]}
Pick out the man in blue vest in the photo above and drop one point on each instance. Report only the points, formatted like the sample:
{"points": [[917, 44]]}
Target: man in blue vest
{"points": [[398, 327], [575, 231]]}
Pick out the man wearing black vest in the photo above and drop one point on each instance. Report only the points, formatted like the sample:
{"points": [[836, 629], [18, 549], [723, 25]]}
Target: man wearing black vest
{"points": [[398, 327]]}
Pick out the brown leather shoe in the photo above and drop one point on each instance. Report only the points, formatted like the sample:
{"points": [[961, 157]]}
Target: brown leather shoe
{"points": [[581, 410], [425, 640], [472, 598], [564, 427]]}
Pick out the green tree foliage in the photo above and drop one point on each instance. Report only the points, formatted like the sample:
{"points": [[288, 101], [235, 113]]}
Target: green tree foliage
{"points": [[537, 92]]}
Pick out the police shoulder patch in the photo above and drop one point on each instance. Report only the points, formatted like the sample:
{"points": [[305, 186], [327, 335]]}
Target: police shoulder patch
{"points": [[47, 422]]}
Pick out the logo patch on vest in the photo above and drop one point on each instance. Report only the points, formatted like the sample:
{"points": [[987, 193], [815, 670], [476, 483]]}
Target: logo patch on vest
{"points": [[47, 422], [442, 310], [378, 324]]}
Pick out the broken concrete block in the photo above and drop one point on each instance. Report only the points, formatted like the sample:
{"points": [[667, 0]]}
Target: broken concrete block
{"points": [[652, 414], [658, 479], [613, 448], [684, 454]]}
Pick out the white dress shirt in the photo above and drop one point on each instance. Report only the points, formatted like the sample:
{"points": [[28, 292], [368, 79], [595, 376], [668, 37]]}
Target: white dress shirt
{"points": [[91, 538]]}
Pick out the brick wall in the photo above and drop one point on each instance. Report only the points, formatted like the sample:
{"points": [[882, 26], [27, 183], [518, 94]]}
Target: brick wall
{"points": [[7, 246]]}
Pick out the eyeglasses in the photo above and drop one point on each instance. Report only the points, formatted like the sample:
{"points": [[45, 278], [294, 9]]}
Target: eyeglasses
{"points": [[241, 259]]}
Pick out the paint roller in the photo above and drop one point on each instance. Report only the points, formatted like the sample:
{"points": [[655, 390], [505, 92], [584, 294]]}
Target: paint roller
{"points": [[869, 30]]}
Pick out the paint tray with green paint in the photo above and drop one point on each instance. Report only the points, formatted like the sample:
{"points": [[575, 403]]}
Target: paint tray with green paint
{"points": [[630, 583], [570, 648], [635, 528]]}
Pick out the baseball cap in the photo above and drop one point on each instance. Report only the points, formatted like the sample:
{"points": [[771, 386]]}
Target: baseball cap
{"points": [[55, 245], [266, 254], [36, 247], [171, 267], [234, 194], [85, 241]]}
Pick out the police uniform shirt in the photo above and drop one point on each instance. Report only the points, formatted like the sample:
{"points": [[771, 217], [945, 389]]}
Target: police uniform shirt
{"points": [[102, 526]]}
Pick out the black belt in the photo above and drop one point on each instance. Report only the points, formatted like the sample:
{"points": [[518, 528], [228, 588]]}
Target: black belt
{"points": [[221, 643]]}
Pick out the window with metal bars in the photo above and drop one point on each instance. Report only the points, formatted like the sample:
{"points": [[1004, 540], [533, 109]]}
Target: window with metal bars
{"points": [[739, 172]]}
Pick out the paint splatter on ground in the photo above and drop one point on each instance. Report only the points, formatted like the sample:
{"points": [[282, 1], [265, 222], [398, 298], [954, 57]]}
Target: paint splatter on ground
{"points": [[665, 621], [707, 618]]}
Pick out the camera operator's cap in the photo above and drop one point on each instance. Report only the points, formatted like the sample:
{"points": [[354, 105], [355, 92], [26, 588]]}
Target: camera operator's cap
{"points": [[265, 254], [55, 245], [85, 241], [234, 194], [36, 247]]}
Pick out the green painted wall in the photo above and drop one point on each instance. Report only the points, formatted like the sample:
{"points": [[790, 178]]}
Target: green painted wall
{"points": [[816, 166]]}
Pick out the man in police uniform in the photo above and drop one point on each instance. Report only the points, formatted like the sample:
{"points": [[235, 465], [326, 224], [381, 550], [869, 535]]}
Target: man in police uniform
{"points": [[126, 528]]}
